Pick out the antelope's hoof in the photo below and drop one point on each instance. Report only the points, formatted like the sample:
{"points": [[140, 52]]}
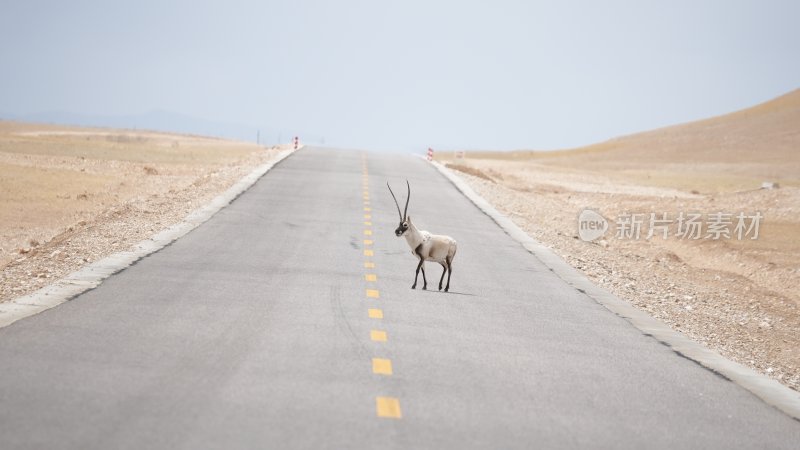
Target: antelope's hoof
{"points": [[447, 289], [414, 286], [424, 288]]}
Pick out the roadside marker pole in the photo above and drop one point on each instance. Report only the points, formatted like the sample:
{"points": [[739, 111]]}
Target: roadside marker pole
{"points": [[296, 142], [430, 154]]}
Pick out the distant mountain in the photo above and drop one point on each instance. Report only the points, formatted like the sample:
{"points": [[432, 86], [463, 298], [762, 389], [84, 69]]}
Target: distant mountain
{"points": [[157, 120]]}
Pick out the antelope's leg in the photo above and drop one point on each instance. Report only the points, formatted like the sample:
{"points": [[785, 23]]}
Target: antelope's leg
{"points": [[424, 281], [416, 275], [444, 270], [449, 272]]}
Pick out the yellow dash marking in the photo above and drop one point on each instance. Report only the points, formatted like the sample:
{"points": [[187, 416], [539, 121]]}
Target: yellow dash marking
{"points": [[369, 265], [368, 232], [367, 216], [367, 242], [377, 335], [368, 253], [373, 293], [381, 366], [375, 313], [367, 209], [368, 224], [371, 277], [388, 407]]}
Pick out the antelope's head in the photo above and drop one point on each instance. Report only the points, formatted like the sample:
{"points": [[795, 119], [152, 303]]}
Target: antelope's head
{"points": [[403, 227]]}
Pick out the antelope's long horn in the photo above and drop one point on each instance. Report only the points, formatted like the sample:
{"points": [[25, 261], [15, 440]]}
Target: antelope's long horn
{"points": [[408, 197], [395, 201]]}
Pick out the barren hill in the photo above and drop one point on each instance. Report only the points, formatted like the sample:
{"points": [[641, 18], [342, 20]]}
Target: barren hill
{"points": [[734, 151], [736, 295]]}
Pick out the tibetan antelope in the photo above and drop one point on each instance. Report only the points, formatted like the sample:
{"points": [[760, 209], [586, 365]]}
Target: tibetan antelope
{"points": [[425, 246]]}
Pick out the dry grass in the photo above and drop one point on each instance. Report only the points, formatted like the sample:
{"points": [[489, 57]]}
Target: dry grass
{"points": [[118, 145], [470, 170]]}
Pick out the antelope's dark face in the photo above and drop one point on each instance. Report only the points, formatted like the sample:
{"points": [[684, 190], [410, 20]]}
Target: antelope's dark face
{"points": [[401, 229]]}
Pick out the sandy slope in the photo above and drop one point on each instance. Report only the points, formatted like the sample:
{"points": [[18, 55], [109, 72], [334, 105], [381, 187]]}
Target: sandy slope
{"points": [[737, 296], [74, 195]]}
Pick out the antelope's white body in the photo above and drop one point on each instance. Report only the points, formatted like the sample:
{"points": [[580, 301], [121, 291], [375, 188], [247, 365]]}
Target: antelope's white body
{"points": [[434, 247]]}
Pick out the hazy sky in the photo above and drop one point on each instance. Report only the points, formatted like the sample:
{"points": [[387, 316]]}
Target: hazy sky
{"points": [[404, 74]]}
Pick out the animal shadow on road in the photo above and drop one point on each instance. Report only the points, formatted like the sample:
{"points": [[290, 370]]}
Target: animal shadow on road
{"points": [[433, 291]]}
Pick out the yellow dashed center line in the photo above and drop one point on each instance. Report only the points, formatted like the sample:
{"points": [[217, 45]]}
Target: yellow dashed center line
{"points": [[381, 366], [388, 407], [377, 335]]}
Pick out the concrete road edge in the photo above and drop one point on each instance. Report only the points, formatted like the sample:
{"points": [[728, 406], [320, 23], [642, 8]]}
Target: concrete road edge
{"points": [[92, 275], [770, 391]]}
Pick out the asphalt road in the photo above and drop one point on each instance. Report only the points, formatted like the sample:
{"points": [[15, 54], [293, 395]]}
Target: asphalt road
{"points": [[254, 331]]}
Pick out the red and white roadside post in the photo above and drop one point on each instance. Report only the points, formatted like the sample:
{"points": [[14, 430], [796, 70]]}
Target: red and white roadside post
{"points": [[296, 142], [430, 154]]}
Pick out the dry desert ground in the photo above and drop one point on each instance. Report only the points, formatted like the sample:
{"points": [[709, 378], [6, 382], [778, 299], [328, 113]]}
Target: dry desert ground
{"points": [[737, 296], [70, 196]]}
